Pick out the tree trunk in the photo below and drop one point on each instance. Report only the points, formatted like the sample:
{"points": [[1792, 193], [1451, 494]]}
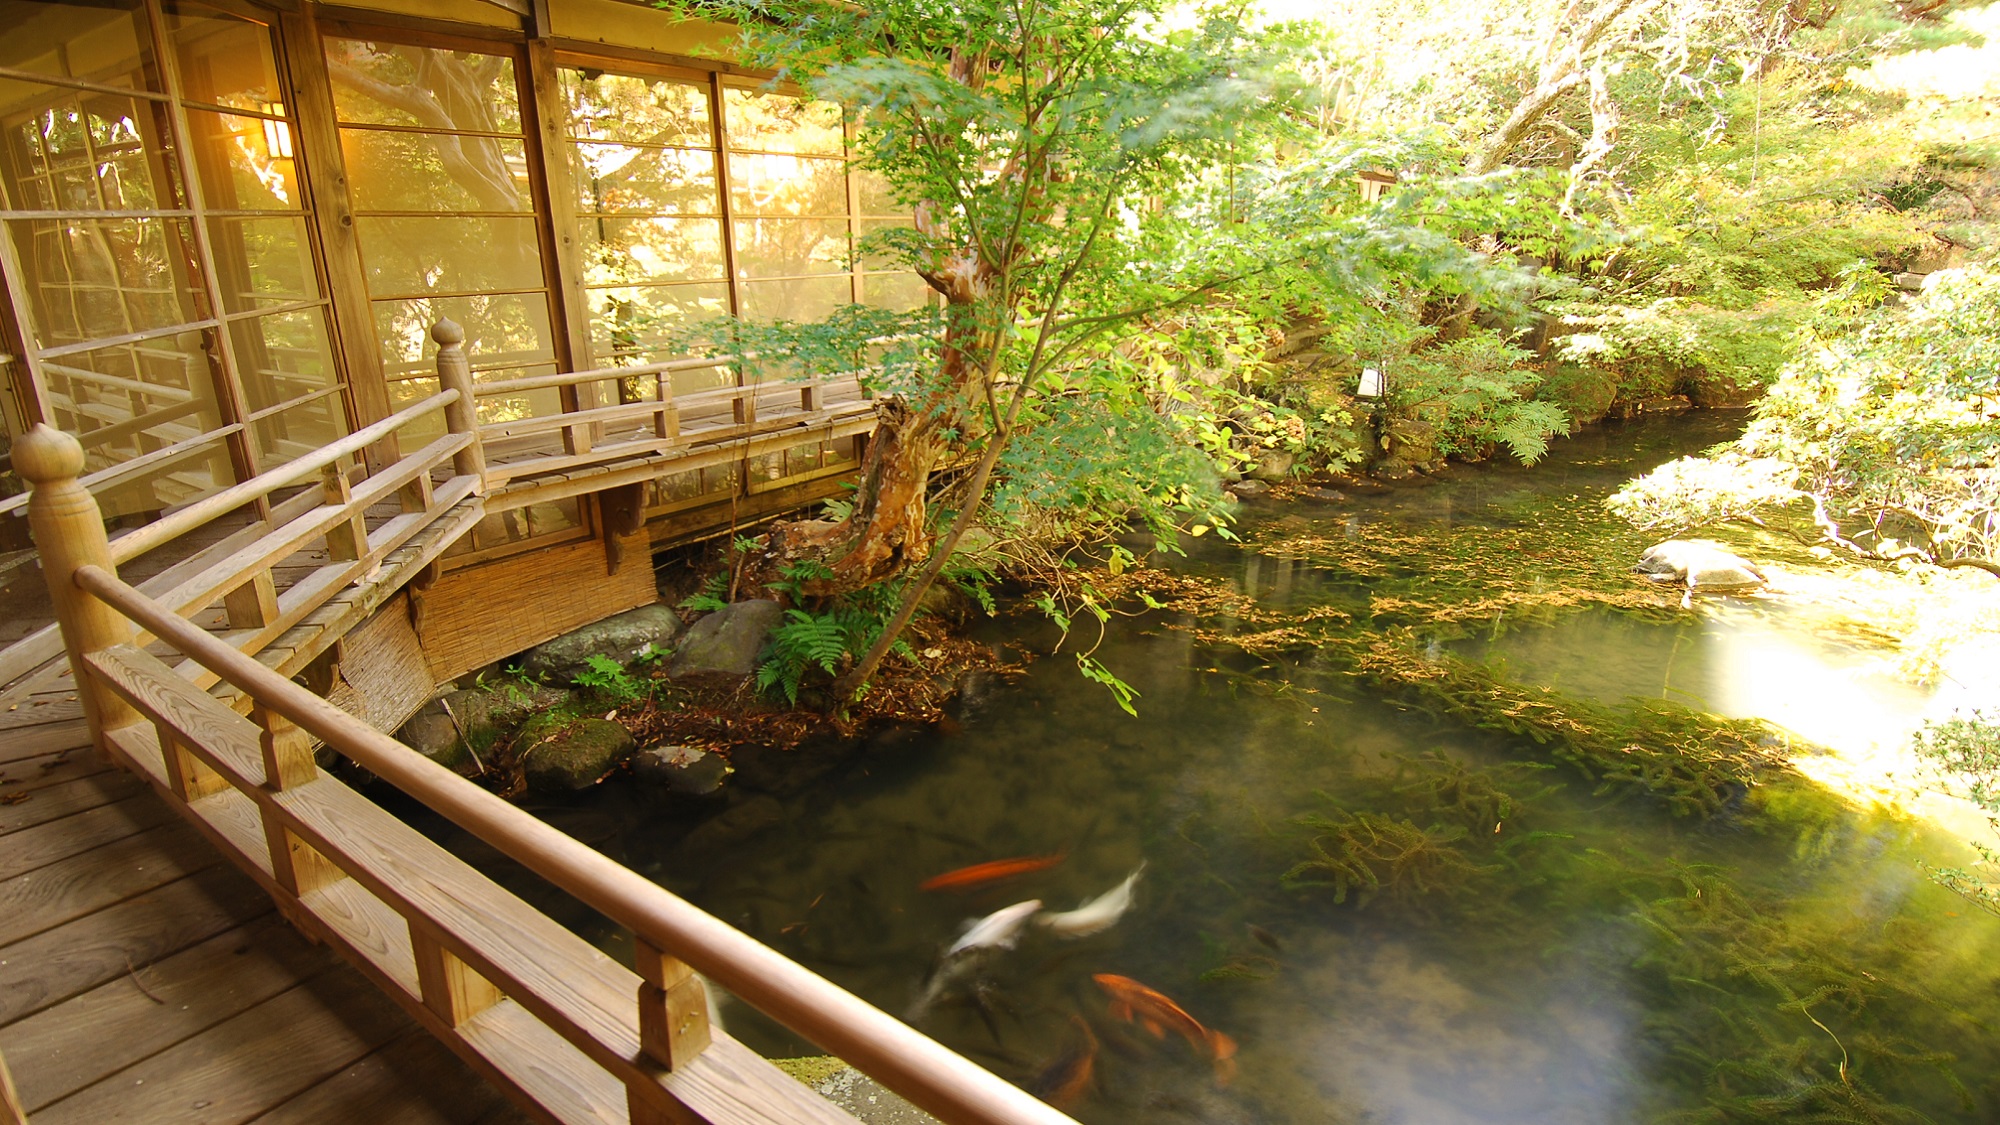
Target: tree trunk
{"points": [[888, 530], [1564, 72]]}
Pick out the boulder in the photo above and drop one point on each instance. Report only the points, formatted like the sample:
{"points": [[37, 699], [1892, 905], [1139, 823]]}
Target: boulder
{"points": [[621, 638], [473, 719], [685, 771], [1273, 465], [1392, 468], [1251, 487], [1703, 565], [1413, 440], [728, 641], [561, 755], [1709, 390]]}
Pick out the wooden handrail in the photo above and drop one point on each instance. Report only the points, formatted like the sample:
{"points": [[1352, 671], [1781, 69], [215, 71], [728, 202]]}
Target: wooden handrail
{"points": [[599, 374], [129, 547], [903, 1059]]}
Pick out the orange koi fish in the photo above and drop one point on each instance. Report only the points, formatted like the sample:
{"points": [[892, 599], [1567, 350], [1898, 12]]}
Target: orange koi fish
{"points": [[1064, 1078], [1132, 1001], [987, 872]]}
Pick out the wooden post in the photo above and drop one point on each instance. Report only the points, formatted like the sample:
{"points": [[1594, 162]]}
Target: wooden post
{"points": [[451, 988], [673, 1008], [673, 1023], [461, 417], [69, 533], [348, 539]]}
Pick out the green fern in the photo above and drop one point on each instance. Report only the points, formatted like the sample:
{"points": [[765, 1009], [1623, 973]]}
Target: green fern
{"points": [[711, 597], [804, 641]]}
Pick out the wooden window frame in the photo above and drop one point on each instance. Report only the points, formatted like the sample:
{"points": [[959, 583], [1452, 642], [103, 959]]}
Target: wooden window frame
{"points": [[236, 420]]}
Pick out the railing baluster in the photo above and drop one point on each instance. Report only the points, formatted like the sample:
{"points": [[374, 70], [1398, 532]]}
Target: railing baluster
{"points": [[451, 988], [296, 866], [462, 416], [69, 533], [673, 1020], [189, 777], [673, 1008], [254, 604], [348, 540]]}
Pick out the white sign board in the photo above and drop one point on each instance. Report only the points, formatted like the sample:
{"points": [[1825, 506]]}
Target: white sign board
{"points": [[1371, 383]]}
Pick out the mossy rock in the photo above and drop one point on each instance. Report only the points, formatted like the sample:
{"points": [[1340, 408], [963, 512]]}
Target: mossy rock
{"points": [[1584, 393], [1712, 390], [460, 726], [559, 754]]}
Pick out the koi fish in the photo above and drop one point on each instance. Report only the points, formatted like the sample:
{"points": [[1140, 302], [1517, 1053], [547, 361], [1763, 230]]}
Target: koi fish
{"points": [[1098, 914], [1064, 1078], [987, 872], [1132, 1001], [998, 930]]}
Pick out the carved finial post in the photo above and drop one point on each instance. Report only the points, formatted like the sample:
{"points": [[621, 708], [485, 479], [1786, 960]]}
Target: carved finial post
{"points": [[69, 533], [461, 417]]}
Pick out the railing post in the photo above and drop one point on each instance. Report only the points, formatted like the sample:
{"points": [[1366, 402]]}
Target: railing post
{"points": [[69, 533], [673, 1024], [461, 417], [673, 1011]]}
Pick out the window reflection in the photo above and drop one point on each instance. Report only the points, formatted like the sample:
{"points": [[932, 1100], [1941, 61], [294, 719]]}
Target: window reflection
{"points": [[445, 214]]}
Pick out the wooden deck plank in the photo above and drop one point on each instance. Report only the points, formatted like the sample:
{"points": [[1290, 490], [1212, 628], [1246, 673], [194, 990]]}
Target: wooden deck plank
{"points": [[41, 708], [43, 738], [71, 797], [61, 892], [57, 964], [411, 1080], [82, 1040], [74, 835], [30, 774], [244, 1065]]}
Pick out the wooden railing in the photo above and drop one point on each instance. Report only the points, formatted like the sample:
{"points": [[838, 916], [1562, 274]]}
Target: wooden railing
{"points": [[577, 1036], [327, 514], [653, 425]]}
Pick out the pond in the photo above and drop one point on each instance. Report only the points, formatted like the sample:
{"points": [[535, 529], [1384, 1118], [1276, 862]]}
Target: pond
{"points": [[1393, 917]]}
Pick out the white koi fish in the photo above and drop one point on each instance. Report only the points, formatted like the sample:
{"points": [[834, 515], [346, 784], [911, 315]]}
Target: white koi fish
{"points": [[998, 930], [1099, 914]]}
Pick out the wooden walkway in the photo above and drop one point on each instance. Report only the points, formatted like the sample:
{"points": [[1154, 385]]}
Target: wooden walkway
{"points": [[144, 979]]}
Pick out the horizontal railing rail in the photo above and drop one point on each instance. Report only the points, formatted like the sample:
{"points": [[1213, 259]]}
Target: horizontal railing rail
{"points": [[661, 422], [331, 522]]}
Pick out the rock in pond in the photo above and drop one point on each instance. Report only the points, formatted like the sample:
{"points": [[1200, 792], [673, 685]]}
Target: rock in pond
{"points": [[564, 755], [1703, 565], [685, 771], [1272, 466], [451, 729], [728, 641], [621, 637], [1249, 488]]}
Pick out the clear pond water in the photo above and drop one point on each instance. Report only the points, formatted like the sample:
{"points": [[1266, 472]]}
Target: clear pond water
{"points": [[1542, 953]]}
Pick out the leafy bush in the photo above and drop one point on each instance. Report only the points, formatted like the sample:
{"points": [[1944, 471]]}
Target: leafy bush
{"points": [[1481, 383], [1964, 754], [1698, 491], [1885, 411]]}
